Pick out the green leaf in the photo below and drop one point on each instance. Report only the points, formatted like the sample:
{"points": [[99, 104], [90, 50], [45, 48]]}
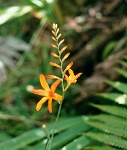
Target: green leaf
{"points": [[109, 128], [66, 136], [110, 120], [4, 136], [108, 139], [124, 63], [78, 143], [120, 86], [122, 72], [115, 110], [13, 12], [116, 97], [69, 135], [108, 49], [100, 148], [37, 134]]}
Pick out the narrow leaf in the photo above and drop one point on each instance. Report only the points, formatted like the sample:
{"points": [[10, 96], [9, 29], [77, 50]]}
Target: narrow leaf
{"points": [[108, 139], [120, 86], [115, 110], [78, 143]]}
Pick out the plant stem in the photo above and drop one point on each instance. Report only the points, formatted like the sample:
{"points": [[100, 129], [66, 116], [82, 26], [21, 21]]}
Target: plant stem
{"points": [[59, 110], [63, 93], [57, 117]]}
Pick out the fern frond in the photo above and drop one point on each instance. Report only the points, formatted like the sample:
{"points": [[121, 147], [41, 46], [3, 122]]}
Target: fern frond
{"points": [[120, 86], [121, 72], [111, 126], [111, 120], [100, 148], [108, 139], [108, 128], [116, 97], [124, 63], [115, 110]]}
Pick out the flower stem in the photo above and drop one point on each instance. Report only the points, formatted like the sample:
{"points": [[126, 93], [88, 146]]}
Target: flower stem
{"points": [[63, 90], [59, 110], [57, 117]]}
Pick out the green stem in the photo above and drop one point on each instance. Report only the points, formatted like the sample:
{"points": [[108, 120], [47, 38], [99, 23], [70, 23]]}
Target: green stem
{"points": [[57, 117], [58, 114], [48, 147]]}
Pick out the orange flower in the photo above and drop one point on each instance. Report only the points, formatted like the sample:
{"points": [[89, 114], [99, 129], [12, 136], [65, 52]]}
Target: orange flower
{"points": [[65, 57], [71, 78], [48, 93], [54, 64], [52, 77], [68, 67]]}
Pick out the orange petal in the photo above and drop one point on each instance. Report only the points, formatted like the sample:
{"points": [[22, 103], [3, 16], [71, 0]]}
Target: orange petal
{"points": [[41, 102], [55, 55], [66, 77], [70, 71], [77, 76], [43, 82], [67, 87], [54, 85], [54, 64], [54, 26], [61, 42], [52, 77], [50, 105], [57, 31], [53, 32], [54, 46], [57, 97], [65, 57], [59, 36], [53, 39], [40, 92], [68, 67], [63, 49]]}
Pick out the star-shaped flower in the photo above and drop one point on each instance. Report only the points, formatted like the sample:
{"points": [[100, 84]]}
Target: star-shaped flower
{"points": [[48, 93], [71, 78]]}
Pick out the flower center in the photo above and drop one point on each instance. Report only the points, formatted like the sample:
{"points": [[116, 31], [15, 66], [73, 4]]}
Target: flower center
{"points": [[51, 94]]}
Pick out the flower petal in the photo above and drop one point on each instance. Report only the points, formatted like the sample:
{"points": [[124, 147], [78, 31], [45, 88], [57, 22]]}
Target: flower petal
{"points": [[66, 77], [63, 49], [40, 92], [52, 77], [54, 46], [54, 64], [53, 33], [77, 76], [57, 97], [65, 57], [61, 42], [50, 105], [71, 74], [67, 87], [54, 39], [41, 102], [43, 82], [54, 55], [54, 85], [59, 36], [68, 67], [54, 26]]}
